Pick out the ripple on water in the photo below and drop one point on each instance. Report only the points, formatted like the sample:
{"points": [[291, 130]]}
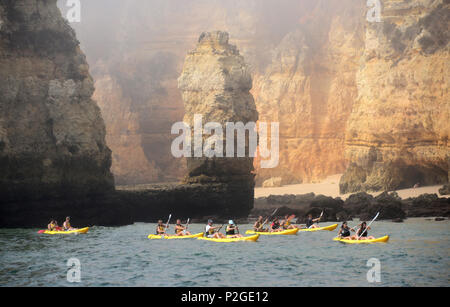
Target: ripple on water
{"points": [[417, 255]]}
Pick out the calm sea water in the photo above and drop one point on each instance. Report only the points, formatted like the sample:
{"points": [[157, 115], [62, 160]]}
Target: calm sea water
{"points": [[416, 255]]}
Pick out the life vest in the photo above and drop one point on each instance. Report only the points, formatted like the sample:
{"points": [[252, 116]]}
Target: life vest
{"points": [[361, 234], [286, 224], [257, 225], [345, 232], [230, 231], [178, 230], [275, 225], [210, 231], [160, 229]]}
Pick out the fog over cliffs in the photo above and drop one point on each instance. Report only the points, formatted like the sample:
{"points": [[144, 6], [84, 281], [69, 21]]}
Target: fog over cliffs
{"points": [[369, 100]]}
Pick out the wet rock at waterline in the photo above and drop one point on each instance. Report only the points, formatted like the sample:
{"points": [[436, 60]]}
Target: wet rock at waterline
{"points": [[445, 190], [359, 205]]}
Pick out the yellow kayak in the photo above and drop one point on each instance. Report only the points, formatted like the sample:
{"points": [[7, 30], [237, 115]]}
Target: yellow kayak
{"points": [[200, 234], [249, 238], [81, 230], [377, 240], [284, 232], [329, 228]]}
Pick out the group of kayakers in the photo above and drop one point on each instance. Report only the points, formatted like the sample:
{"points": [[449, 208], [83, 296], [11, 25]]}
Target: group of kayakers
{"points": [[53, 225], [284, 224], [361, 233], [232, 230], [276, 225], [180, 230], [211, 231]]}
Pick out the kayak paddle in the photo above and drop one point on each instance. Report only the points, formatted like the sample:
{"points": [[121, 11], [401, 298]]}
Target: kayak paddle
{"points": [[187, 224], [220, 228], [269, 217], [167, 224], [378, 213]]}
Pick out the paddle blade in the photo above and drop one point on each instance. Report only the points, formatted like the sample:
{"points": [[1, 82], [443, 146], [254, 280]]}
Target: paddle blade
{"points": [[275, 211], [41, 231]]}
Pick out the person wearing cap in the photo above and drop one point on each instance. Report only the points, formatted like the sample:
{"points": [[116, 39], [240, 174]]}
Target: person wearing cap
{"points": [[213, 231], [231, 230]]}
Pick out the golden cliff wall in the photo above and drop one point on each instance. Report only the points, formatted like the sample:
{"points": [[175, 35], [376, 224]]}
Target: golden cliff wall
{"points": [[314, 70], [397, 134], [309, 88]]}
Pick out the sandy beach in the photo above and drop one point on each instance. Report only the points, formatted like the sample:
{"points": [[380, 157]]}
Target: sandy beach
{"points": [[330, 187]]}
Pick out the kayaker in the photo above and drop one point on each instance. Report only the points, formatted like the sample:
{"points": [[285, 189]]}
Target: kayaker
{"points": [[275, 226], [259, 225], [344, 232], [362, 232], [231, 230], [312, 223], [181, 230], [286, 223], [52, 225], [212, 231], [161, 228], [67, 225]]}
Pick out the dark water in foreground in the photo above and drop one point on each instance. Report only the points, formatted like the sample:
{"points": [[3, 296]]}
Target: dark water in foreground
{"points": [[416, 255]]}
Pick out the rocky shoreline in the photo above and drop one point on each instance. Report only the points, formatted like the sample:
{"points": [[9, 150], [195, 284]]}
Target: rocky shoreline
{"points": [[125, 207], [220, 201], [359, 205]]}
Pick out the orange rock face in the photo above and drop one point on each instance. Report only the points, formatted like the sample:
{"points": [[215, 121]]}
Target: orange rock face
{"points": [[309, 88], [345, 91], [397, 134]]}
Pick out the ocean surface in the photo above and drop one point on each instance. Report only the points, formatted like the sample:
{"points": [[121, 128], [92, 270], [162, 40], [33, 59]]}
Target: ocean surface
{"points": [[418, 254]]}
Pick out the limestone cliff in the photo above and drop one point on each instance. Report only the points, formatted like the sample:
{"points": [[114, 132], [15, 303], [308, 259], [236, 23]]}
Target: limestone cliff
{"points": [[215, 83], [309, 88], [397, 134], [314, 70], [52, 136], [136, 50]]}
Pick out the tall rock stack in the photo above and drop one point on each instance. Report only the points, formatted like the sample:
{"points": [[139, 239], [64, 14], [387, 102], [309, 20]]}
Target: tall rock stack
{"points": [[215, 83], [52, 136], [397, 134]]}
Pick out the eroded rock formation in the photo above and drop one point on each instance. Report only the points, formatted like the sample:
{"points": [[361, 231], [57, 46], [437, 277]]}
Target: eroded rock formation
{"points": [[309, 88], [397, 134], [340, 87], [215, 84], [52, 136]]}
